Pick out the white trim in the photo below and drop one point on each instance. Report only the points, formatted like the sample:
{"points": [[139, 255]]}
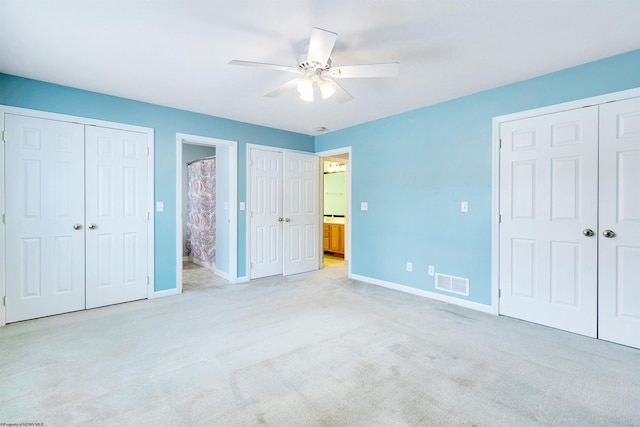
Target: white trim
{"points": [[181, 139], [224, 275], [349, 224], [3, 289], [243, 279], [165, 293], [571, 105], [39, 114], [422, 293], [495, 190], [151, 228], [85, 121]]}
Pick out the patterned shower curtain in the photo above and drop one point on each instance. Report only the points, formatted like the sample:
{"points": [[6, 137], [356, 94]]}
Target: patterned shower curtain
{"points": [[200, 242]]}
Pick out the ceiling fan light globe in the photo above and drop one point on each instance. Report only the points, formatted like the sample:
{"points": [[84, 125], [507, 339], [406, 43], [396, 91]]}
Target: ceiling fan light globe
{"points": [[307, 96], [305, 86], [326, 89]]}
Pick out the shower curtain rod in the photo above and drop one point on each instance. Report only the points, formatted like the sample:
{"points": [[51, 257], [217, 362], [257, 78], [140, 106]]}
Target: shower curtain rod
{"points": [[204, 158]]}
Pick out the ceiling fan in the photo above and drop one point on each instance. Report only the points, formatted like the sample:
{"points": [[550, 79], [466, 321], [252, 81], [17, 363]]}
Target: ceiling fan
{"points": [[317, 72]]}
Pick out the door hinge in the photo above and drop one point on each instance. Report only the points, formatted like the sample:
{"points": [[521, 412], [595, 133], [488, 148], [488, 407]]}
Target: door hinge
{"points": [[148, 216], [499, 293], [250, 265], [4, 301], [148, 280], [148, 151], [4, 135], [250, 162], [4, 219], [500, 143], [499, 219]]}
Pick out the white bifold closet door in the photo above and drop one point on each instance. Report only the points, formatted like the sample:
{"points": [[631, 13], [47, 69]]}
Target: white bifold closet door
{"points": [[284, 213], [570, 220], [44, 217], [76, 216], [548, 197], [619, 254], [116, 215]]}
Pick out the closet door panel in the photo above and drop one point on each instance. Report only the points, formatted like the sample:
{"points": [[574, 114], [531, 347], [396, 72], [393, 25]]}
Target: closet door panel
{"points": [[45, 217], [266, 213], [548, 197], [619, 240], [116, 194], [301, 200]]}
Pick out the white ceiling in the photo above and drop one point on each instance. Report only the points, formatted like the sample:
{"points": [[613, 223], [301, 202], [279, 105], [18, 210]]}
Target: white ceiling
{"points": [[176, 53]]}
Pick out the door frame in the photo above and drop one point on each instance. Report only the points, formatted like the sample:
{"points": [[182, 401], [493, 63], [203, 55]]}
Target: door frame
{"points": [[348, 223], [495, 185], [248, 199], [150, 135], [186, 139]]}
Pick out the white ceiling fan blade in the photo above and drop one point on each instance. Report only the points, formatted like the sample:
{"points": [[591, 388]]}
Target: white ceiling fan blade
{"points": [[263, 65], [283, 88], [372, 70], [320, 46], [341, 96]]}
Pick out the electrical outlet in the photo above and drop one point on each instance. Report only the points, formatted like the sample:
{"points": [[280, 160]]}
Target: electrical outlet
{"points": [[409, 267], [432, 270]]}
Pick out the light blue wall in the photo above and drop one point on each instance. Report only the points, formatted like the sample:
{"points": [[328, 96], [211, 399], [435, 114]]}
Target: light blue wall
{"points": [[415, 168], [25, 93]]}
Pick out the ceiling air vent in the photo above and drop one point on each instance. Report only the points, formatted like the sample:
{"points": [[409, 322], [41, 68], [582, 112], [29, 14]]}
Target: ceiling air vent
{"points": [[456, 285]]}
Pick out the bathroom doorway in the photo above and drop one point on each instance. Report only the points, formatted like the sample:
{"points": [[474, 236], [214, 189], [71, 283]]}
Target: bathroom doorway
{"points": [[206, 213], [336, 203]]}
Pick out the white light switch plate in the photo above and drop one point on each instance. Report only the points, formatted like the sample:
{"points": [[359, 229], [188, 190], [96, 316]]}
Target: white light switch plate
{"points": [[364, 206], [464, 207], [160, 206], [241, 206]]}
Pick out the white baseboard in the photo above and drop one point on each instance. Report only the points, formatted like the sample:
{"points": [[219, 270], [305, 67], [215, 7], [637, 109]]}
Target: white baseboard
{"points": [[420, 292], [205, 264], [222, 274], [165, 293], [243, 279]]}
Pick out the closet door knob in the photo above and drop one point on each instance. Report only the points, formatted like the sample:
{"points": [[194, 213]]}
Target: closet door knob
{"points": [[608, 234], [587, 232], [77, 226], [288, 220], [92, 226], [280, 219]]}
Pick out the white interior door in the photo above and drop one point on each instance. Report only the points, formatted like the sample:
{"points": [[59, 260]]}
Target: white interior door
{"points": [[266, 217], [302, 217], [619, 273], [548, 199], [117, 215], [44, 217]]}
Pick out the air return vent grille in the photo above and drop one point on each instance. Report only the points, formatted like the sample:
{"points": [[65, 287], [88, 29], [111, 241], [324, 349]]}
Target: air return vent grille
{"points": [[456, 285]]}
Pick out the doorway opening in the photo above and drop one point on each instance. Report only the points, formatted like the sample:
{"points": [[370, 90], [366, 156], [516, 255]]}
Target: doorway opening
{"points": [[336, 202], [206, 211]]}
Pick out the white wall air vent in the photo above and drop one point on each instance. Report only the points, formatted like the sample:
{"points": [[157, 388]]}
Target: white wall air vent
{"points": [[456, 285]]}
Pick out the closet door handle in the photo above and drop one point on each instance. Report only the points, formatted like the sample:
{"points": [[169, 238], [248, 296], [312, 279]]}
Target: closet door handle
{"points": [[588, 232], [288, 220], [280, 219], [608, 234], [77, 226], [92, 226]]}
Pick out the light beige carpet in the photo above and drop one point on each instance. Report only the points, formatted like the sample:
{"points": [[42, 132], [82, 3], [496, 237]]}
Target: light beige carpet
{"points": [[314, 349]]}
